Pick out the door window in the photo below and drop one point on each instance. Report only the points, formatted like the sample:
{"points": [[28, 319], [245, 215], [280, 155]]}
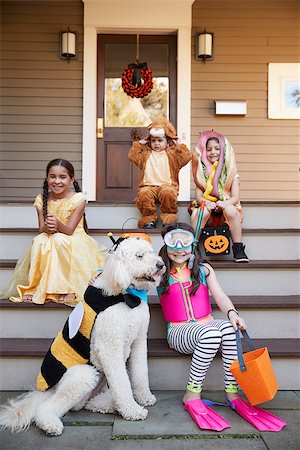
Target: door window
{"points": [[121, 110]]}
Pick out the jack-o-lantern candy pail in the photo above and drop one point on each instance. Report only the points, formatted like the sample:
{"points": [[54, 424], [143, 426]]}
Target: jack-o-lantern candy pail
{"points": [[216, 240]]}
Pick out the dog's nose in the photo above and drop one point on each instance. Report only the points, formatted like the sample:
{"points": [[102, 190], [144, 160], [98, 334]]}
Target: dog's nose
{"points": [[159, 265]]}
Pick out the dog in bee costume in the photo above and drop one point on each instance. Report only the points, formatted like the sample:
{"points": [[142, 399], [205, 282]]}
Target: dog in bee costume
{"points": [[105, 334]]}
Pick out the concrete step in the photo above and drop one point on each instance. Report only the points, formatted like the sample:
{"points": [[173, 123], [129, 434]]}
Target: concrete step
{"points": [[21, 360], [261, 243], [281, 314], [256, 214], [261, 277], [168, 426]]}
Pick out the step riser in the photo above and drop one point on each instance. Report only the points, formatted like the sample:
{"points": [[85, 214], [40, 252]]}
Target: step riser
{"points": [[286, 370], [106, 216], [259, 247], [19, 374], [259, 282], [250, 282], [4, 276], [262, 323], [46, 324], [32, 324], [267, 216]]}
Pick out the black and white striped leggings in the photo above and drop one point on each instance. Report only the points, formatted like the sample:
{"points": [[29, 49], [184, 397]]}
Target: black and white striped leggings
{"points": [[203, 342]]}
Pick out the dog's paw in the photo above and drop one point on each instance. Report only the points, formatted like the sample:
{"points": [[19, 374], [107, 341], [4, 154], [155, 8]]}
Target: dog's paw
{"points": [[101, 403], [52, 426], [134, 413], [145, 399]]}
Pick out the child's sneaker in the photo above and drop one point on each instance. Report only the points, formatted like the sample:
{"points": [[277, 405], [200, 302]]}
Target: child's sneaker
{"points": [[149, 225], [239, 254]]}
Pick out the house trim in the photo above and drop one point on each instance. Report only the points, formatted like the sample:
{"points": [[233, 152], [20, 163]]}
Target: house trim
{"points": [[115, 17]]}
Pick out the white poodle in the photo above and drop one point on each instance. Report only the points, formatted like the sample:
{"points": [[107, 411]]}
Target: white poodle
{"points": [[117, 348]]}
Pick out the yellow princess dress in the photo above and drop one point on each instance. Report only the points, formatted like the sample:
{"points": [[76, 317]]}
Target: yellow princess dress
{"points": [[57, 264]]}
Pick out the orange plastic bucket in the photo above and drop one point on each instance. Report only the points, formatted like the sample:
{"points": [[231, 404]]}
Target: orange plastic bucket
{"points": [[257, 378], [144, 236]]}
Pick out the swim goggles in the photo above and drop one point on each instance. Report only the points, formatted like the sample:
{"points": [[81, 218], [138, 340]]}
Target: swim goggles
{"points": [[178, 239]]}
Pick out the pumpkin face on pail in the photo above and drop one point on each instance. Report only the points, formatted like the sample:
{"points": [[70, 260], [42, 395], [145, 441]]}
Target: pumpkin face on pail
{"points": [[216, 244], [216, 240]]}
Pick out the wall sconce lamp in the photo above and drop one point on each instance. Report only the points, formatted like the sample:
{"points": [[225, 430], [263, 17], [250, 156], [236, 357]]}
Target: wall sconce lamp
{"points": [[68, 45], [204, 46]]}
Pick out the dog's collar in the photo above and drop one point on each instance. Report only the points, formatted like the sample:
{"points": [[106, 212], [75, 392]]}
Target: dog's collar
{"points": [[140, 293]]}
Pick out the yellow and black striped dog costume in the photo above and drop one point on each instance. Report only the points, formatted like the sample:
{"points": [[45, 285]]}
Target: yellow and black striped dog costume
{"points": [[65, 352]]}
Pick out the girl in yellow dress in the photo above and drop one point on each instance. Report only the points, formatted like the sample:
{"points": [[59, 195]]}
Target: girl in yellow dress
{"points": [[63, 257]]}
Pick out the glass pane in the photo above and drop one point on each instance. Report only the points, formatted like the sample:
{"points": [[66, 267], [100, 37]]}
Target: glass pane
{"points": [[123, 111]]}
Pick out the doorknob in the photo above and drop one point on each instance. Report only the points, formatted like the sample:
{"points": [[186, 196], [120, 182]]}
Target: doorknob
{"points": [[99, 127]]}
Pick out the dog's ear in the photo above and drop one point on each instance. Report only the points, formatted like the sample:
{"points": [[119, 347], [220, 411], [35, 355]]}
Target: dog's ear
{"points": [[115, 278]]}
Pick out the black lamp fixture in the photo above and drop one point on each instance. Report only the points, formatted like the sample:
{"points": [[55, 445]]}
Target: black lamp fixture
{"points": [[68, 45], [204, 46]]}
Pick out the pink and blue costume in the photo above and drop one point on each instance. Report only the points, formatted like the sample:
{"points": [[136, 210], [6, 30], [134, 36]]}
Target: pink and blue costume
{"points": [[193, 330]]}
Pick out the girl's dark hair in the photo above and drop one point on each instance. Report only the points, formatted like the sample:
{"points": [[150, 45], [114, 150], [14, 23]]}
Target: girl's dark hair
{"points": [[170, 141], [69, 167], [164, 285], [213, 138]]}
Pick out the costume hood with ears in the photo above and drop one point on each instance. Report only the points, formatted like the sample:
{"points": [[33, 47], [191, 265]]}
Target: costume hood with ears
{"points": [[162, 127]]}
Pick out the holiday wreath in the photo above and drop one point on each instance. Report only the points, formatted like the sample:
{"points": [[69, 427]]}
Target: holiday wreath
{"points": [[137, 80]]}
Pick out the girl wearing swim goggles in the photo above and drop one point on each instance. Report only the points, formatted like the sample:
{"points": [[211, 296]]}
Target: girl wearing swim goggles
{"points": [[192, 329], [179, 239]]}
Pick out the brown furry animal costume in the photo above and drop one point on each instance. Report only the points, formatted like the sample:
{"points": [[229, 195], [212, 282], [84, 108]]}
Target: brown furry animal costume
{"points": [[159, 182]]}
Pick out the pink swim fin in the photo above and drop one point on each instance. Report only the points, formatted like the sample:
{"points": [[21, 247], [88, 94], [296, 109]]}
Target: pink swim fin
{"points": [[205, 417], [258, 417]]}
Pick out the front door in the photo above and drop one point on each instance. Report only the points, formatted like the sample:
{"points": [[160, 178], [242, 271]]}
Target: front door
{"points": [[122, 119]]}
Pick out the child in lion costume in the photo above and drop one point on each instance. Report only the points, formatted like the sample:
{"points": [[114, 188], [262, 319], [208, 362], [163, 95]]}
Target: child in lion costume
{"points": [[159, 157]]}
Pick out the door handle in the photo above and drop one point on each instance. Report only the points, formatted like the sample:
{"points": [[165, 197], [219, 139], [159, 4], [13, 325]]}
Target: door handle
{"points": [[99, 127]]}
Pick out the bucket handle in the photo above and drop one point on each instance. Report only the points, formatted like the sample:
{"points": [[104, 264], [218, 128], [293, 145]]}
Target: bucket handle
{"points": [[240, 348]]}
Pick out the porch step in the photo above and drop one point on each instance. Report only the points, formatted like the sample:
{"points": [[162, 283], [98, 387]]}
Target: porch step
{"points": [[241, 302], [21, 360], [259, 277], [280, 313], [256, 214], [38, 347], [261, 243], [260, 264], [265, 291]]}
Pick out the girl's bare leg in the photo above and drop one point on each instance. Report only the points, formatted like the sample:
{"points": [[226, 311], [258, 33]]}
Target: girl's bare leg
{"points": [[232, 218], [67, 297], [194, 217]]}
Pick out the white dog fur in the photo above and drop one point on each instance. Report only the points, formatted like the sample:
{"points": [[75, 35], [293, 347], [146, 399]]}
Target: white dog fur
{"points": [[118, 353]]}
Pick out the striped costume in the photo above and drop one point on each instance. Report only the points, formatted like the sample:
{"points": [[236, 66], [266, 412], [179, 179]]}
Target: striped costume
{"points": [[202, 341], [65, 352], [193, 330]]}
